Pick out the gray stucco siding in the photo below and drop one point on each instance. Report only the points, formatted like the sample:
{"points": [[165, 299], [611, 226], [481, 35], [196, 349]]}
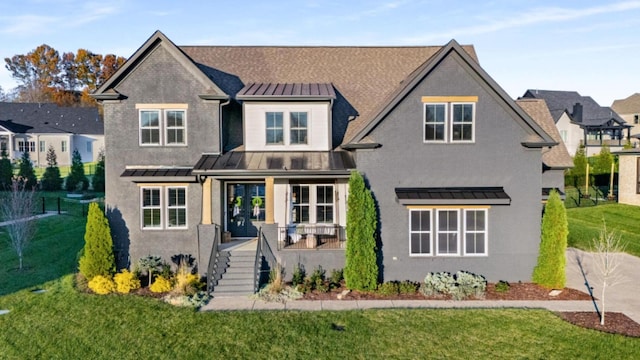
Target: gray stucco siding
{"points": [[496, 158], [158, 79]]}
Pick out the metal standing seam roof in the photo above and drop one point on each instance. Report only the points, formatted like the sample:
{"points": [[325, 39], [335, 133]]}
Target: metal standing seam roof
{"points": [[287, 90], [249, 161], [157, 172], [453, 195]]}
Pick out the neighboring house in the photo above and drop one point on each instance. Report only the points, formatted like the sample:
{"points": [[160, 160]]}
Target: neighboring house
{"points": [[580, 120], [33, 127], [556, 159], [629, 110], [266, 137], [629, 177]]}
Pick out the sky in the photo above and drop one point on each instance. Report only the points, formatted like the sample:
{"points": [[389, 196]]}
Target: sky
{"points": [[592, 47]]}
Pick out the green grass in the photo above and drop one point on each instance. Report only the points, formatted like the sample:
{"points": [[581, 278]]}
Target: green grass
{"points": [[89, 169], [585, 225], [63, 323]]}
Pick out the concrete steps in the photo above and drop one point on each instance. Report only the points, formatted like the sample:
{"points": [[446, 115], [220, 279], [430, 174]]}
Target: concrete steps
{"points": [[238, 276]]}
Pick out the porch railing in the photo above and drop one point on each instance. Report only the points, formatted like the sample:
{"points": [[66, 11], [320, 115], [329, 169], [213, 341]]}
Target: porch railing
{"points": [[213, 268], [265, 261], [311, 236]]}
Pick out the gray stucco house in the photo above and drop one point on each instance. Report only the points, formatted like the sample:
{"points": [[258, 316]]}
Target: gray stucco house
{"points": [[242, 138]]}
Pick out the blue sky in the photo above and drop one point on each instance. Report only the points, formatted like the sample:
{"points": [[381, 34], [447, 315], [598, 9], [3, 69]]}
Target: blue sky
{"points": [[592, 47]]}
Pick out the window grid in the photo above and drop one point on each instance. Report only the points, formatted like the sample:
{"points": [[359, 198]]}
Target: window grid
{"points": [[176, 207], [324, 204], [435, 122], [447, 232], [63, 146], [475, 232], [43, 146], [274, 128], [420, 232], [449, 122], [300, 200], [151, 208], [26, 146], [298, 127], [149, 127], [462, 122], [163, 207], [175, 127]]}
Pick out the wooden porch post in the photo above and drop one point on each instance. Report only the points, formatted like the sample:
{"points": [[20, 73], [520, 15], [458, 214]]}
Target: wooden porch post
{"points": [[269, 200], [206, 202]]}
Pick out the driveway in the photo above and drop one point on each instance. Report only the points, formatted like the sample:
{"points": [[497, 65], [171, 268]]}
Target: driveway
{"points": [[623, 297]]}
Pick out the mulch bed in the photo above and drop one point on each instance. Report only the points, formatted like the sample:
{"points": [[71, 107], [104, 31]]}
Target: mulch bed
{"points": [[616, 323]]}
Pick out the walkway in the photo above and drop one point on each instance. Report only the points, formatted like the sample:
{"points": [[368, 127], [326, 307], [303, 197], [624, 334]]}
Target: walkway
{"points": [[46, 214], [620, 298]]}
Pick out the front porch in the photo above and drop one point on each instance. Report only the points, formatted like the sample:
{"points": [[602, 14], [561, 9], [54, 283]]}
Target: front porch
{"points": [[311, 237]]}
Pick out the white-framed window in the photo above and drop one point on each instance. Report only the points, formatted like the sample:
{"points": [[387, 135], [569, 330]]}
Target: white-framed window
{"points": [[563, 135], [89, 147], [452, 122], [274, 128], [298, 127], [448, 232], [63, 146], [165, 127], [163, 207], [43, 146], [312, 204], [26, 146]]}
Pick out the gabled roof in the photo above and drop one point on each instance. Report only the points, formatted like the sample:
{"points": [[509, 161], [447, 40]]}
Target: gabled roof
{"points": [[108, 92], [45, 118], [563, 101], [556, 156], [537, 136], [630, 105]]}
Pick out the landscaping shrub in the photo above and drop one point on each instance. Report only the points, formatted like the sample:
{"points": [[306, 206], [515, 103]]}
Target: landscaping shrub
{"points": [[186, 283], [98, 179], [550, 270], [26, 172], [276, 283], [102, 285], [6, 171], [361, 267], [161, 285], [126, 281], [298, 275], [441, 283], [76, 179], [97, 255], [502, 286], [51, 180], [469, 285], [408, 287], [149, 264], [336, 278], [389, 288]]}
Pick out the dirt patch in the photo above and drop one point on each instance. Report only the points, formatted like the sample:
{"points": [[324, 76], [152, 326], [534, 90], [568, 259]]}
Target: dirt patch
{"points": [[615, 323]]}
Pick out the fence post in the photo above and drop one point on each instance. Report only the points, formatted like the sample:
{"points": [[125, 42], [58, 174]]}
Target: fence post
{"points": [[58, 205], [43, 208]]}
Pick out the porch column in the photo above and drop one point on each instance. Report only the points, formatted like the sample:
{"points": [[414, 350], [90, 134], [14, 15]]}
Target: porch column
{"points": [[206, 202], [268, 200]]}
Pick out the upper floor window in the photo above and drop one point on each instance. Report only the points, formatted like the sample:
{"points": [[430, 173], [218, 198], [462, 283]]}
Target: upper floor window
{"points": [[449, 119], [298, 127], [636, 119], [162, 127], [275, 128]]}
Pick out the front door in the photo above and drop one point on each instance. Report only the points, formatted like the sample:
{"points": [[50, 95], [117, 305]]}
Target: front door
{"points": [[245, 209]]}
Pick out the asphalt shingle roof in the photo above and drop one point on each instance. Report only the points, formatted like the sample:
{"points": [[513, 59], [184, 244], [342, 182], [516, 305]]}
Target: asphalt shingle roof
{"points": [[46, 118], [630, 105]]}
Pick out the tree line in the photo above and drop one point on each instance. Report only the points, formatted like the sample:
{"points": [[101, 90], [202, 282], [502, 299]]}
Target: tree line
{"points": [[67, 79]]}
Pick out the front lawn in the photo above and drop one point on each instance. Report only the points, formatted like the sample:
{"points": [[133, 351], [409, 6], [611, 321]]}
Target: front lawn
{"points": [[585, 225]]}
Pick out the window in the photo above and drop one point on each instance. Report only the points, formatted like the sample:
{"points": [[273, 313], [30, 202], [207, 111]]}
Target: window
{"points": [[162, 127], [563, 135], [449, 122], [164, 207], [455, 232], [42, 146], [636, 119], [298, 128], [275, 129], [89, 147], [26, 146], [63, 146], [312, 204]]}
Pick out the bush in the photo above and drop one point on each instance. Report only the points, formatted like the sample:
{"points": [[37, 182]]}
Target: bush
{"points": [[550, 269], [276, 283], [102, 285], [6, 171], [161, 285], [408, 287], [388, 289], [149, 264], [186, 283], [336, 278], [502, 286], [298, 275], [76, 179], [97, 255], [98, 179], [126, 281], [51, 180], [469, 285], [441, 283], [26, 172]]}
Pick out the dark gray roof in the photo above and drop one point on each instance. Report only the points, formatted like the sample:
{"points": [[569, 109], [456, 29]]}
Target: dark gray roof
{"points": [[48, 118], [547, 191], [453, 195], [330, 162], [563, 101], [157, 172], [261, 91]]}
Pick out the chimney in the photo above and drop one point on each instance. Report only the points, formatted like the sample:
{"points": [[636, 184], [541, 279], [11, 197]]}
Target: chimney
{"points": [[577, 113]]}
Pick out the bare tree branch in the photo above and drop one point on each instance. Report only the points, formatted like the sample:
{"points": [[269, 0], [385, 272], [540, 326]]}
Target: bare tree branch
{"points": [[16, 208], [609, 249]]}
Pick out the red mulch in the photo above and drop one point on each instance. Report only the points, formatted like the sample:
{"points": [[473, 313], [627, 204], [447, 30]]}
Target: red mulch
{"points": [[616, 323]]}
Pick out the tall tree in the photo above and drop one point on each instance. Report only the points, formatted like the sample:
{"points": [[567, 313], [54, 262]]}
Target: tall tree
{"points": [[6, 171], [97, 255], [51, 180], [26, 173], [98, 180], [16, 207], [361, 267], [76, 179], [550, 270]]}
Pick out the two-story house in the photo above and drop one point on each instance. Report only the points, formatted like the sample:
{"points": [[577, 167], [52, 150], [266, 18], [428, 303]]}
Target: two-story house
{"points": [[629, 110], [242, 138]]}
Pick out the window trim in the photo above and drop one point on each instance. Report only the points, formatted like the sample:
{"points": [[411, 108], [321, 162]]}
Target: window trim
{"points": [[430, 232], [424, 123], [313, 203], [163, 128], [438, 232], [485, 232], [286, 127], [164, 122], [26, 146], [449, 103], [275, 128], [63, 146], [164, 207], [299, 128], [176, 207], [473, 122], [143, 208], [42, 146]]}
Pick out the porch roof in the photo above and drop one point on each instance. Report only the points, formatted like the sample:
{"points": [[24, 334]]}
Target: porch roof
{"points": [[276, 163], [453, 196], [152, 174]]}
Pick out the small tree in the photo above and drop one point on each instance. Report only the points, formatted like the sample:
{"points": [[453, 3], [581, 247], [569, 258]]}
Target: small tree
{"points": [[579, 166], [16, 206], [149, 264], [76, 179], [98, 178], [26, 172], [361, 268], [97, 256], [6, 171], [603, 161], [51, 180], [550, 271], [607, 258]]}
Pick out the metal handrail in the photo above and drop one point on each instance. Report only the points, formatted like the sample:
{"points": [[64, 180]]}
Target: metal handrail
{"points": [[263, 251], [212, 269]]}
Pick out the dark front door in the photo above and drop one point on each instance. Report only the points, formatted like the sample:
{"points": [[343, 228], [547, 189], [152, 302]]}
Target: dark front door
{"points": [[245, 208]]}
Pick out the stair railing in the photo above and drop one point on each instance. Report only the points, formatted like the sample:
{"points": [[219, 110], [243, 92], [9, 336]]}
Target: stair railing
{"points": [[213, 268], [263, 253]]}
